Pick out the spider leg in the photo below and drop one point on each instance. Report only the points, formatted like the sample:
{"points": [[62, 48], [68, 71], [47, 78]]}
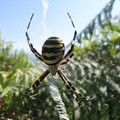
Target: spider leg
{"points": [[72, 87], [73, 43], [67, 60], [37, 54], [35, 85], [68, 86]]}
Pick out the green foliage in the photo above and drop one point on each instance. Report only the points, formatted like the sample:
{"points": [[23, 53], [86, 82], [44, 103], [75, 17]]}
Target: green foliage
{"points": [[13, 70], [96, 72], [17, 74]]}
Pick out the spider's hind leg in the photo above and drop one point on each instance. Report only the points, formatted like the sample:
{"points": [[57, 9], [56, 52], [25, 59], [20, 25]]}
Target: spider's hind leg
{"points": [[71, 87], [35, 85], [68, 86]]}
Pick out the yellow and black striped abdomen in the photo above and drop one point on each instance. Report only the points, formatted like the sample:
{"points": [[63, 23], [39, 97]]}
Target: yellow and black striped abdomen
{"points": [[53, 50]]}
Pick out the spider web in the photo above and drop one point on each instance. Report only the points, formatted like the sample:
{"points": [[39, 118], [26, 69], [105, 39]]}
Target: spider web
{"points": [[32, 109], [50, 87], [34, 105]]}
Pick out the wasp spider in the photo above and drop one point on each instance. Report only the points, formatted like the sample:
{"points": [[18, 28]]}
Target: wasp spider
{"points": [[53, 55]]}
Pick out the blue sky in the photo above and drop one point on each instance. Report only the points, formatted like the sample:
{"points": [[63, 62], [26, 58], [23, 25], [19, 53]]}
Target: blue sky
{"points": [[50, 19]]}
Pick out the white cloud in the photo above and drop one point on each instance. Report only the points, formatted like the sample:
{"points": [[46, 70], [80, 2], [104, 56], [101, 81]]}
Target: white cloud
{"points": [[45, 8]]}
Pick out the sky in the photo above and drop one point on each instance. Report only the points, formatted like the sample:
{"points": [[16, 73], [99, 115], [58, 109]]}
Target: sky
{"points": [[50, 19]]}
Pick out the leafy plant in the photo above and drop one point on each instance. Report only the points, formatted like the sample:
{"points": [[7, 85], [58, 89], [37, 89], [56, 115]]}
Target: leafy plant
{"points": [[17, 74], [95, 71]]}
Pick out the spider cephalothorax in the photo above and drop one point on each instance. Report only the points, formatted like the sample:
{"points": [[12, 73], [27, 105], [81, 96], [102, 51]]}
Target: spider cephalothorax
{"points": [[53, 55]]}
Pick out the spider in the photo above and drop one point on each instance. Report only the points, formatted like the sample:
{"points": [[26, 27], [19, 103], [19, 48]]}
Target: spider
{"points": [[53, 55]]}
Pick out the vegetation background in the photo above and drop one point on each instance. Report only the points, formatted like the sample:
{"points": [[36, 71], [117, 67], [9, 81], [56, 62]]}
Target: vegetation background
{"points": [[94, 70]]}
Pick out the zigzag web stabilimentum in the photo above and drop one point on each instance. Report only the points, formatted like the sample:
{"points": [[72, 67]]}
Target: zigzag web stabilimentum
{"points": [[57, 98]]}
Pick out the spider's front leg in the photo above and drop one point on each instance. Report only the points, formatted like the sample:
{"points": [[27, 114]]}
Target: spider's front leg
{"points": [[35, 85], [37, 54], [71, 51]]}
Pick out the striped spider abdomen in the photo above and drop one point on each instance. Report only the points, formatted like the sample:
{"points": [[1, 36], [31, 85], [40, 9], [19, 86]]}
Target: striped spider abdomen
{"points": [[53, 50]]}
